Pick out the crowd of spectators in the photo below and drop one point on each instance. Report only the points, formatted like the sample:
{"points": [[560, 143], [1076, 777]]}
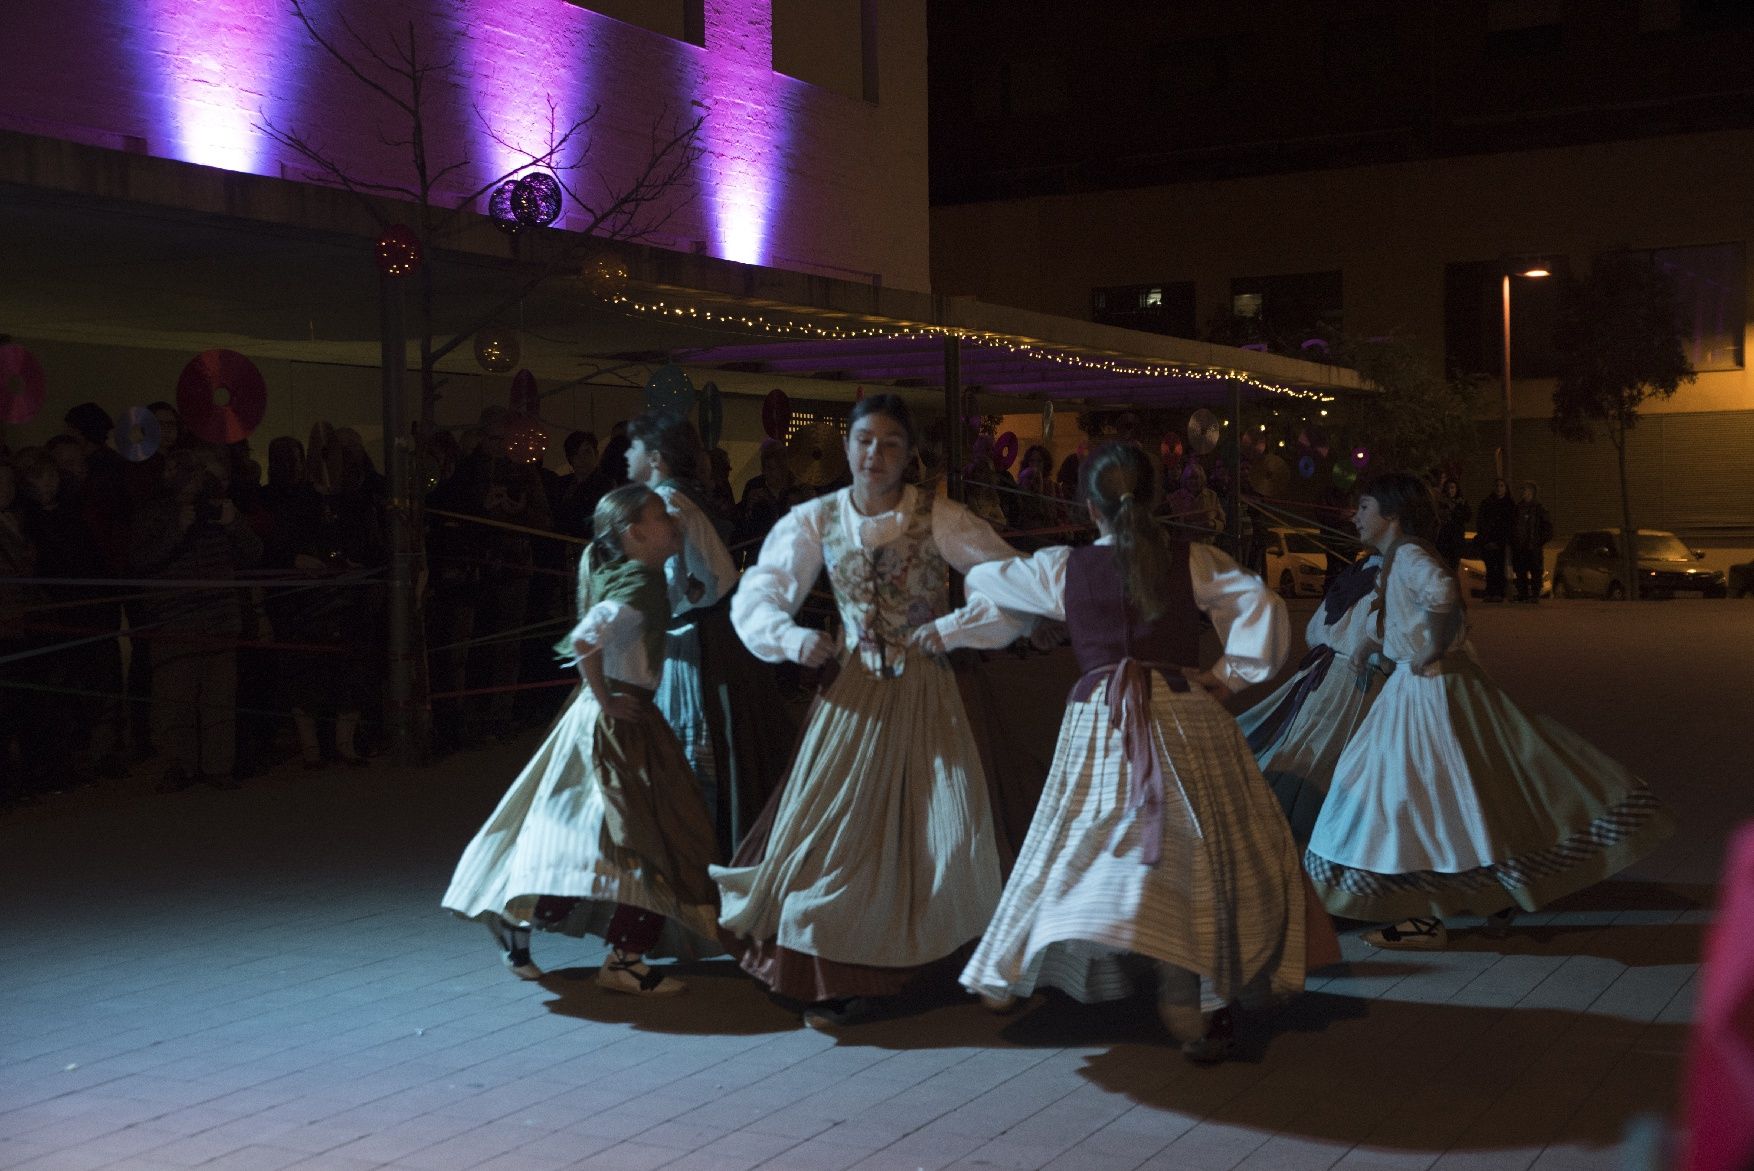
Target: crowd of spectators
{"points": [[188, 615]]}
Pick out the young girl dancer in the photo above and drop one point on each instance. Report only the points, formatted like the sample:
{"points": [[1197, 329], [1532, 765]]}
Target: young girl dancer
{"points": [[1449, 799], [724, 706], [604, 832], [876, 857], [1298, 732], [1156, 840]]}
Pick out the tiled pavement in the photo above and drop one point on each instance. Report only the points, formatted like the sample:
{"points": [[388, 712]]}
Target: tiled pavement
{"points": [[262, 979]]}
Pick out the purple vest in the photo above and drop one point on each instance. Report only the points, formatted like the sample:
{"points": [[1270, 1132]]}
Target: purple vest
{"points": [[1105, 628]]}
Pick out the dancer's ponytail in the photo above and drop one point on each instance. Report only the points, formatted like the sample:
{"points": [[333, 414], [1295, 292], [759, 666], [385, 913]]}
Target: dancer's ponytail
{"points": [[1119, 483], [616, 512]]}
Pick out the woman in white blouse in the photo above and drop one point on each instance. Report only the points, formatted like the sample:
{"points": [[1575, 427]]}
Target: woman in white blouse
{"points": [[876, 859], [1449, 799], [721, 704], [1157, 843], [604, 831]]}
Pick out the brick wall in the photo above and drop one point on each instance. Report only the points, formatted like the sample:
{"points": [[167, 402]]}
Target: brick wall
{"points": [[794, 175]]}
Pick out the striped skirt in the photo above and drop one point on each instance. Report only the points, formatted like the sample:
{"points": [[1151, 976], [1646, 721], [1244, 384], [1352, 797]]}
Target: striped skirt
{"points": [[1084, 913], [605, 812], [1450, 799], [876, 858], [1299, 758]]}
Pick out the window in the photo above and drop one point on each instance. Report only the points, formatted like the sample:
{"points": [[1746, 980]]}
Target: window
{"points": [[834, 414], [1166, 307], [1473, 311], [828, 43], [1292, 308], [1709, 294], [682, 20]]}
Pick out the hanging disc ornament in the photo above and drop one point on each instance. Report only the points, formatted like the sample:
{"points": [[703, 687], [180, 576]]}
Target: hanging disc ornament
{"points": [[711, 406], [398, 250], [816, 456], [524, 398], [1171, 449], [1204, 431], [1306, 466], [1345, 475], [22, 385], [501, 209], [1270, 476], [526, 441], [536, 199], [497, 349], [221, 396], [1005, 451], [137, 434], [1360, 458], [669, 389], [776, 414], [605, 274]]}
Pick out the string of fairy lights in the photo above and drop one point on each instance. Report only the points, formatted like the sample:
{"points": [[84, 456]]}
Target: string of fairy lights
{"points": [[918, 331]]}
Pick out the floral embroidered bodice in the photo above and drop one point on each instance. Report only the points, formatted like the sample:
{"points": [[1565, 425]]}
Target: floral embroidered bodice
{"points": [[882, 594]]}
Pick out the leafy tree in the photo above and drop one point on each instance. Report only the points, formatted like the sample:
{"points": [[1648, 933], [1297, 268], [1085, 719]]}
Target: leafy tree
{"points": [[1418, 419], [1619, 341]]}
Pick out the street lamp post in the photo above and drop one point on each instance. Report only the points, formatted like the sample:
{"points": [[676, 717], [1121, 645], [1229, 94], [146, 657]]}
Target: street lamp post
{"points": [[1504, 289]]}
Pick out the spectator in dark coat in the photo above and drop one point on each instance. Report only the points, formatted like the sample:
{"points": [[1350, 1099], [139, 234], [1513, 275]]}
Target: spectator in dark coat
{"points": [[194, 533], [1531, 528], [1493, 537], [1452, 522]]}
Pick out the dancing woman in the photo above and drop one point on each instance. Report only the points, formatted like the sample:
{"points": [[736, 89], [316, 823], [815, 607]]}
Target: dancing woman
{"points": [[604, 832], [876, 858], [1450, 799], [1156, 843], [1298, 732]]}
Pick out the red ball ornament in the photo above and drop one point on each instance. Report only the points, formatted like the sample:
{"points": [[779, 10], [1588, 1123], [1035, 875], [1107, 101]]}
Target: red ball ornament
{"points": [[398, 251]]}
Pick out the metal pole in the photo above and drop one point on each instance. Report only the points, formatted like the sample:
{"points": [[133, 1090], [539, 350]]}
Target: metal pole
{"points": [[398, 698], [955, 427], [1504, 456], [1236, 505]]}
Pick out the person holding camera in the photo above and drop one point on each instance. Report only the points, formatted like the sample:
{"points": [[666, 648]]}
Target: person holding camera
{"points": [[192, 533]]}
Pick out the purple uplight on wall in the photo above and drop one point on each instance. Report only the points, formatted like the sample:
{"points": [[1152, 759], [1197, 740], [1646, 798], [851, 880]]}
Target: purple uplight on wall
{"points": [[748, 129], [522, 56], [215, 61]]}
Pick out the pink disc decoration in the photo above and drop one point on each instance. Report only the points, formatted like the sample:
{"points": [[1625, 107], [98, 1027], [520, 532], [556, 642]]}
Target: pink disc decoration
{"points": [[776, 414], [1170, 448], [22, 385], [524, 398], [221, 396], [1005, 451]]}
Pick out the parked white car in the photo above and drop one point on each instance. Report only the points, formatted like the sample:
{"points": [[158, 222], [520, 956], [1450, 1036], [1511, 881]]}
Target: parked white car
{"points": [[1296, 562]]}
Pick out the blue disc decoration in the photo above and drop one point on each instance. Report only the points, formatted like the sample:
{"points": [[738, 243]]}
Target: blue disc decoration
{"points": [[669, 389], [502, 209], [712, 414], [137, 434], [536, 199], [1306, 467]]}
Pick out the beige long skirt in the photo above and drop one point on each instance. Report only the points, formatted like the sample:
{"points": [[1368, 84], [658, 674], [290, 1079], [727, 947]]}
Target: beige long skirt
{"points": [[606, 812], [1085, 913], [876, 860]]}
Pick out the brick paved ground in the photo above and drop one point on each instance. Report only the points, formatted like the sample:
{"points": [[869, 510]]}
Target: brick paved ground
{"points": [[263, 979]]}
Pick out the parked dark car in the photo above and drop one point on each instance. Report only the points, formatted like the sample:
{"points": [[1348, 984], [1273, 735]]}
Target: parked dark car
{"points": [[1742, 580], [1590, 567]]}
